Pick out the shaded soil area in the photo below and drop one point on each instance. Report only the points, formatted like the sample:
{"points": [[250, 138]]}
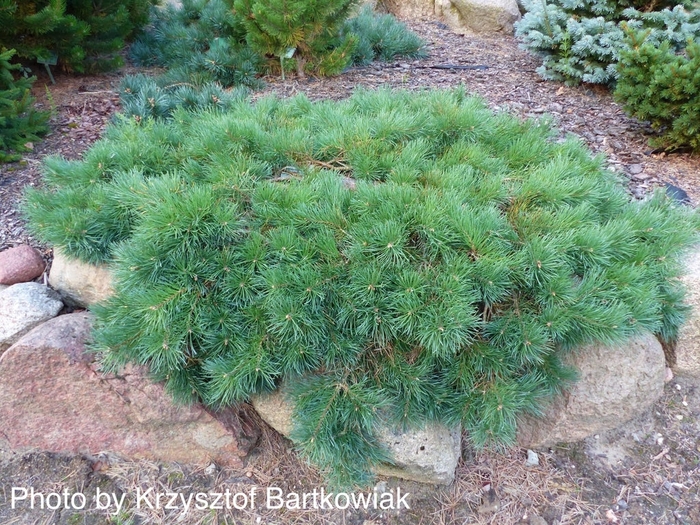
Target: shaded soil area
{"points": [[80, 109], [646, 472]]}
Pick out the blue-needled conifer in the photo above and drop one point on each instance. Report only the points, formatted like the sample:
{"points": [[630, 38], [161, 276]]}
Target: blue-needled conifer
{"points": [[581, 40], [391, 258]]}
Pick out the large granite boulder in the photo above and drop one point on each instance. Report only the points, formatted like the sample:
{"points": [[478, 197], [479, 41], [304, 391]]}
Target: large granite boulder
{"points": [[687, 351], [80, 284], [410, 8], [482, 16], [20, 264], [616, 384], [53, 398], [22, 307], [479, 16], [426, 455]]}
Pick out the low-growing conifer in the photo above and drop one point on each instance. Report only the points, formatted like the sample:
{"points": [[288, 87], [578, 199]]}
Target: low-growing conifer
{"points": [[398, 257]]}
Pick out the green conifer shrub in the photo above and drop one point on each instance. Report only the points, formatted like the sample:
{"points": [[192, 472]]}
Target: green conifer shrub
{"points": [[112, 23], [38, 29], [221, 41], [662, 86], [86, 35], [395, 256], [200, 43], [305, 31], [581, 40], [381, 36], [20, 122], [143, 97]]}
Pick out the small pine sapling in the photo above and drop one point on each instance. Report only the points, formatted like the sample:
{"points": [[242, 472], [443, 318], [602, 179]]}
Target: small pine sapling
{"points": [[20, 122], [662, 86], [307, 31]]}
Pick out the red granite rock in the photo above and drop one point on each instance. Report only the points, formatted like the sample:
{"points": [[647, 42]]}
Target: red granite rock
{"points": [[53, 398], [20, 264]]}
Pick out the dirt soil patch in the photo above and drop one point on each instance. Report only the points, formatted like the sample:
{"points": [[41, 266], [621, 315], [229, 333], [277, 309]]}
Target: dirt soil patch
{"points": [[645, 472]]}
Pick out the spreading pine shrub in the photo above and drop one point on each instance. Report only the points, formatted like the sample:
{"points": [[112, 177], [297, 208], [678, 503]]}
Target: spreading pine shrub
{"points": [[20, 122], [382, 37], [147, 97], [662, 86], [581, 40], [199, 43], [85, 35], [395, 256], [231, 41]]}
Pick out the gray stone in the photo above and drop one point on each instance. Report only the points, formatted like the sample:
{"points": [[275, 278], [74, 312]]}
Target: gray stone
{"points": [[79, 283], [426, 455], [616, 384], [275, 410], [636, 169], [533, 459], [20, 264], [22, 307], [687, 352], [53, 398]]}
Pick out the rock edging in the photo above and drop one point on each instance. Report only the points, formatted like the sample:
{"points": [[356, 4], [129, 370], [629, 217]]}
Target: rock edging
{"points": [[53, 398], [478, 16], [79, 283], [426, 455], [24, 306], [615, 385]]}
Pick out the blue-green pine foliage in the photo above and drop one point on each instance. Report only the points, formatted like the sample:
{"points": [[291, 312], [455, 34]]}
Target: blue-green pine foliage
{"points": [[158, 97], [382, 37], [395, 257], [223, 41], [581, 40], [199, 43]]}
